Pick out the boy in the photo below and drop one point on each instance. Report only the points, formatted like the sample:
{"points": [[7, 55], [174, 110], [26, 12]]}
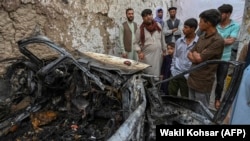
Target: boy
{"points": [[229, 30], [180, 61], [166, 65], [209, 47]]}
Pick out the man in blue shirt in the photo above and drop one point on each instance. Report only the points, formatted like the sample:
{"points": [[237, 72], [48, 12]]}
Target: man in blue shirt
{"points": [[180, 62], [241, 105], [229, 30]]}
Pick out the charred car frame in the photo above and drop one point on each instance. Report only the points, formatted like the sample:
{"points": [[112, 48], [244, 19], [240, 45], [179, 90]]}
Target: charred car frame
{"points": [[91, 96]]}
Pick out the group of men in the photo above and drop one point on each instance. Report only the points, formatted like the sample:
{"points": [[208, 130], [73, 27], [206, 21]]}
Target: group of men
{"points": [[147, 43]]}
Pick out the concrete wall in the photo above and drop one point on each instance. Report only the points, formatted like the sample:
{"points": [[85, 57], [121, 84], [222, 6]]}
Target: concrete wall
{"points": [[244, 36], [86, 25]]}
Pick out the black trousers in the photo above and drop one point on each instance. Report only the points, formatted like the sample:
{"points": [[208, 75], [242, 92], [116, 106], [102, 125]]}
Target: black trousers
{"points": [[221, 74]]}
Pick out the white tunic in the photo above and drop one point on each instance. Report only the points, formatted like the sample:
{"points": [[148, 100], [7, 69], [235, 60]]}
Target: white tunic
{"points": [[153, 47]]}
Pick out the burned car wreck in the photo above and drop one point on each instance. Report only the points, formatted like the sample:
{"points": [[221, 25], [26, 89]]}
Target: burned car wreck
{"points": [[91, 96], [65, 98]]}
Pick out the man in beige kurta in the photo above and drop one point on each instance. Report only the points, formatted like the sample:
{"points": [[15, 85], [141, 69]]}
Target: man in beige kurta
{"points": [[150, 43]]}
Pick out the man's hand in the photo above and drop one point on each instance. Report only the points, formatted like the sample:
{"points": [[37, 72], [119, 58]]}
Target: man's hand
{"points": [[217, 104], [175, 29], [164, 53], [161, 77], [229, 40], [194, 57], [124, 55], [141, 55], [197, 57], [190, 56], [196, 54]]}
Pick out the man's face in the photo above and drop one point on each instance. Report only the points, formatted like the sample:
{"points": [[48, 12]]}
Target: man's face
{"points": [[130, 15], [160, 14], [147, 19], [225, 16], [172, 13], [187, 30], [203, 25]]}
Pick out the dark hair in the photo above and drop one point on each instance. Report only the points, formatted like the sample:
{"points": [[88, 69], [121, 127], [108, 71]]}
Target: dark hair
{"points": [[159, 10], [172, 44], [146, 12], [128, 9], [226, 8], [172, 8], [192, 23], [212, 15]]}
